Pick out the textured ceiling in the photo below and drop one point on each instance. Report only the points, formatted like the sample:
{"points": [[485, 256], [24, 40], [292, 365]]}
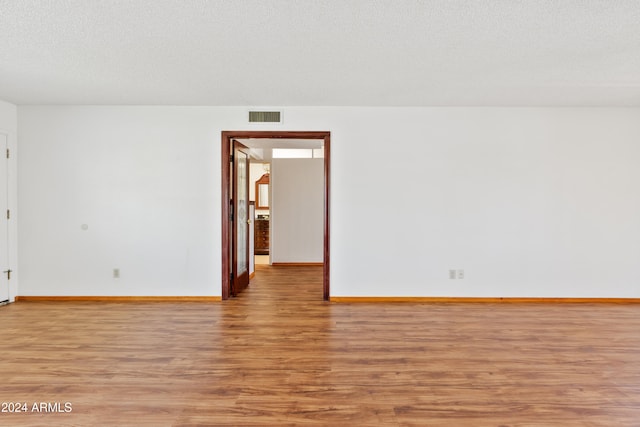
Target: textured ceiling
{"points": [[321, 52]]}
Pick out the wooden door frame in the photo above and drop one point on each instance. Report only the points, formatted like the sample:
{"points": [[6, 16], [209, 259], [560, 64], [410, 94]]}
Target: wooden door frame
{"points": [[240, 281], [226, 146]]}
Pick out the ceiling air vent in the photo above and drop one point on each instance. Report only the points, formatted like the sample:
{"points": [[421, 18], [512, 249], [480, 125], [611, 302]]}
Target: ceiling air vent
{"points": [[265, 116]]}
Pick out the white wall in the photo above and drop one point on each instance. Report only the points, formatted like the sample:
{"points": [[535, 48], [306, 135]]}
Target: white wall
{"points": [[529, 202], [9, 126], [145, 180], [297, 220]]}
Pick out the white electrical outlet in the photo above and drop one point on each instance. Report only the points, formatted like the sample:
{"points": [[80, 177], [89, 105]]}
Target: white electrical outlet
{"points": [[460, 274], [116, 273], [452, 274]]}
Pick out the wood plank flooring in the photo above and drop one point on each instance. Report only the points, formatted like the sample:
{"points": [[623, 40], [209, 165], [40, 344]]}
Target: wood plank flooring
{"points": [[279, 356]]}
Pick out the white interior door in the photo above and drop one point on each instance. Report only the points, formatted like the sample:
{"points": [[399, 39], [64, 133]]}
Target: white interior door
{"points": [[4, 223]]}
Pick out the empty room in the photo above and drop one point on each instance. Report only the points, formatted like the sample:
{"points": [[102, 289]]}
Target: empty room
{"points": [[323, 212]]}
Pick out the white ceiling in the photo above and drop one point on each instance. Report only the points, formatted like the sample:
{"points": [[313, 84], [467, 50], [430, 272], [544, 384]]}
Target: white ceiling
{"points": [[321, 52]]}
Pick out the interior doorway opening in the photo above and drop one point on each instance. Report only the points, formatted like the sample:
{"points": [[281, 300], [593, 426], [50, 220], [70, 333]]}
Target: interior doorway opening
{"points": [[228, 183], [5, 269]]}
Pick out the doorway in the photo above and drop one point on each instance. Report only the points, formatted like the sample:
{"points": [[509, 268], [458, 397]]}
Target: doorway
{"points": [[4, 226], [227, 192]]}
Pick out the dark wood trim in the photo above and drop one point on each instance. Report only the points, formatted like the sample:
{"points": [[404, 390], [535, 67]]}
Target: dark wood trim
{"points": [[275, 134], [226, 200], [240, 279], [116, 298], [327, 200], [490, 300], [227, 136]]}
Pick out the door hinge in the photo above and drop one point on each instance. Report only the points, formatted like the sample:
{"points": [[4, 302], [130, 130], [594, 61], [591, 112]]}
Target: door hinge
{"points": [[231, 158], [231, 213], [7, 153], [231, 276], [8, 214]]}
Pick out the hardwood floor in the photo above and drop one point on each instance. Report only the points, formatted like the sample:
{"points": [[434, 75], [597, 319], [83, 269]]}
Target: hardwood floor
{"points": [[278, 355]]}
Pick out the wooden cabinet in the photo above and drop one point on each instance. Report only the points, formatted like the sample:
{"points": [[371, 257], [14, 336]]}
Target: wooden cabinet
{"points": [[261, 237]]}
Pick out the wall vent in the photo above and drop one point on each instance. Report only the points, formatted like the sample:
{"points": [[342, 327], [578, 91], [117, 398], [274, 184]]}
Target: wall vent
{"points": [[265, 117]]}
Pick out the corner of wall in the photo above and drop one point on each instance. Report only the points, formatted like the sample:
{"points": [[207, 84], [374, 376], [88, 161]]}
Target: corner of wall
{"points": [[9, 125]]}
